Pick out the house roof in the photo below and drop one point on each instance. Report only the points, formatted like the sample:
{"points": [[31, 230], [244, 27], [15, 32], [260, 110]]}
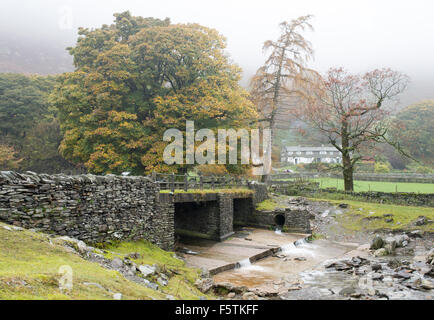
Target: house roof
{"points": [[305, 149]]}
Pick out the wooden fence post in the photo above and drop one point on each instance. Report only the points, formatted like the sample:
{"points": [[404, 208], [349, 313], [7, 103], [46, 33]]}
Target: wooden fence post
{"points": [[185, 182], [172, 182], [201, 181]]}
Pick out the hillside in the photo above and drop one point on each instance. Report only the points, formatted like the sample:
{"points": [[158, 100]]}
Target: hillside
{"points": [[32, 265]]}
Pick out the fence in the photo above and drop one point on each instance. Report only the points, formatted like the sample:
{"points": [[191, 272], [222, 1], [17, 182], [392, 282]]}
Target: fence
{"points": [[186, 182], [384, 177]]}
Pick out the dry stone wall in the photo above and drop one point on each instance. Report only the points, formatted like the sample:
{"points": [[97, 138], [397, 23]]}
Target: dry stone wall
{"points": [[91, 208]]}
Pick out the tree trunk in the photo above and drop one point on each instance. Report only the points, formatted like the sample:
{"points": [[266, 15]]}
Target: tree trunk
{"points": [[346, 158], [348, 173]]}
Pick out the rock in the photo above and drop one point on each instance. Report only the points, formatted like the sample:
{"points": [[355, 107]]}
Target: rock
{"points": [[117, 263], [250, 296], [390, 247], [430, 273], [231, 295], [162, 282], [389, 220], [204, 285], [343, 205], [300, 259], [426, 284], [376, 267], [416, 234], [380, 252], [339, 266], [377, 243], [230, 287], [394, 263], [204, 273], [422, 220], [430, 257], [401, 275], [347, 291], [146, 270], [402, 240], [117, 296], [151, 285], [390, 244], [134, 255], [7, 228], [377, 276], [170, 297]]}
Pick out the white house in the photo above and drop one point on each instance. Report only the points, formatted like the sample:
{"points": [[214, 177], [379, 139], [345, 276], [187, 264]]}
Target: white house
{"points": [[296, 155]]}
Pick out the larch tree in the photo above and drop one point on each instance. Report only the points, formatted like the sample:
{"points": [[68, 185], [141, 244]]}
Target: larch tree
{"points": [[353, 112], [277, 82]]}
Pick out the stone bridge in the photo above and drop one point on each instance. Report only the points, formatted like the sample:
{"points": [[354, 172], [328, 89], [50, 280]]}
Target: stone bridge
{"points": [[207, 215], [96, 209]]}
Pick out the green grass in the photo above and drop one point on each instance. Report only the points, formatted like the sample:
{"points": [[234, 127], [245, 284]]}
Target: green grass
{"points": [[267, 205], [371, 216], [361, 186], [30, 262]]}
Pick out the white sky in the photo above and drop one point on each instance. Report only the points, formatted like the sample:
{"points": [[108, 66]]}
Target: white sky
{"points": [[355, 34]]}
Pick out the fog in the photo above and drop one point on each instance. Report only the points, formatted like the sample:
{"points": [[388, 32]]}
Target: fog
{"points": [[358, 35]]}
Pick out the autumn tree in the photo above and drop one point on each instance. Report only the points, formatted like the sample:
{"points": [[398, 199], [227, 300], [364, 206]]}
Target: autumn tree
{"points": [[136, 78], [8, 158], [413, 127], [352, 111], [29, 124]]}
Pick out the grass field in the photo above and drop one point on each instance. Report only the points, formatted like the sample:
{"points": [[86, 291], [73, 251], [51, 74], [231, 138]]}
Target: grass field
{"points": [[360, 186], [373, 216]]}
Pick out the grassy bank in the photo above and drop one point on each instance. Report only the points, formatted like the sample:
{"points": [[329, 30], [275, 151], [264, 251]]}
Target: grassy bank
{"points": [[374, 216], [30, 262]]}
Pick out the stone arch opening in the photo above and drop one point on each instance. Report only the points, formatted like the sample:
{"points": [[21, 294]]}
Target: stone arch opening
{"points": [[279, 220]]}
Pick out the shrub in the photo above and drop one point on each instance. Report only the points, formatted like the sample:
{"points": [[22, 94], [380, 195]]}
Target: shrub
{"points": [[382, 167]]}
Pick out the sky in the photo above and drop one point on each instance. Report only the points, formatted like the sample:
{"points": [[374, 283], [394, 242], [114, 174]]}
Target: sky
{"points": [[354, 34]]}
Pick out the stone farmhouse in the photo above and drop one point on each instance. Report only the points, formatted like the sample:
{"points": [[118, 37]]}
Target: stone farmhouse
{"points": [[298, 154]]}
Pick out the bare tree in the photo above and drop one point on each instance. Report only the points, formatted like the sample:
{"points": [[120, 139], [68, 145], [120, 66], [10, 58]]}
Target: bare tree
{"points": [[350, 110]]}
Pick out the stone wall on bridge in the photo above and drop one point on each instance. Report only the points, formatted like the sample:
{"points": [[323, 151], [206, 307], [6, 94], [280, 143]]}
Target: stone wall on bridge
{"points": [[91, 208]]}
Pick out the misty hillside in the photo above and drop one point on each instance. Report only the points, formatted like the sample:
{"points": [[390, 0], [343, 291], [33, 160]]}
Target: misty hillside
{"points": [[33, 55]]}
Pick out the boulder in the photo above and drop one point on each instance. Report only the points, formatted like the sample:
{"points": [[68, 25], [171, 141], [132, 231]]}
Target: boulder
{"points": [[231, 295], [204, 285], [117, 263], [402, 240], [117, 296], [377, 243], [430, 257], [421, 221], [376, 267], [380, 252], [250, 296], [146, 270], [347, 291]]}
